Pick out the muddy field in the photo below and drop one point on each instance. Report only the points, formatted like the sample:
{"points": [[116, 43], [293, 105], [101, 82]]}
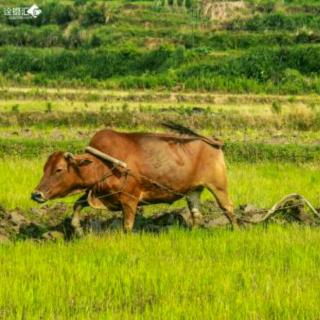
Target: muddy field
{"points": [[54, 222]]}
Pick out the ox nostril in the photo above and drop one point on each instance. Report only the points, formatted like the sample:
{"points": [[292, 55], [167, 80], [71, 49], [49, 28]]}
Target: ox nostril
{"points": [[37, 196]]}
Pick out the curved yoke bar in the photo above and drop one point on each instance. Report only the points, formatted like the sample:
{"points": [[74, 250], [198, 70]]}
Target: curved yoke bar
{"points": [[105, 156]]}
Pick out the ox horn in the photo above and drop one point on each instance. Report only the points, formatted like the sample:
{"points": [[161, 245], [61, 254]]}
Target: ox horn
{"points": [[68, 155]]}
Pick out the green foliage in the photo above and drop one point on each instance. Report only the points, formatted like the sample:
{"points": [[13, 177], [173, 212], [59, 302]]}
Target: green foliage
{"points": [[56, 13], [25, 35], [80, 2], [93, 14], [188, 4], [257, 70], [276, 21], [100, 63], [126, 45], [180, 3], [262, 65]]}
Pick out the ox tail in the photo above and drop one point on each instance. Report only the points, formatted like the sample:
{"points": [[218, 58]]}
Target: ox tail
{"points": [[212, 141]]}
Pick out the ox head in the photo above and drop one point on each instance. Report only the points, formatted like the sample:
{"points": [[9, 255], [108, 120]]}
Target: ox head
{"points": [[61, 176]]}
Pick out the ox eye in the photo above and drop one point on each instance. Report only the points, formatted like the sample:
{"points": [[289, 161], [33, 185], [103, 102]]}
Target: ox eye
{"points": [[58, 170]]}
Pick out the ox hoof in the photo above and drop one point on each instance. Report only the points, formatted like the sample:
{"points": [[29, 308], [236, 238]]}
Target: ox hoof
{"points": [[197, 219], [235, 226], [78, 232], [197, 223], [127, 230]]}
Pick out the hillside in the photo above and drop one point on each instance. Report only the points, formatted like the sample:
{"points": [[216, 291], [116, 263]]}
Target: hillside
{"points": [[250, 46]]}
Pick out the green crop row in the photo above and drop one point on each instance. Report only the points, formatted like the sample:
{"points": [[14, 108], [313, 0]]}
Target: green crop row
{"points": [[135, 37], [148, 118], [235, 151], [287, 69], [277, 21]]}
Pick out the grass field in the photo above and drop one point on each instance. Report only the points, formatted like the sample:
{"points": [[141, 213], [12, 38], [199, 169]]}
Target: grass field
{"points": [[71, 99], [254, 274]]}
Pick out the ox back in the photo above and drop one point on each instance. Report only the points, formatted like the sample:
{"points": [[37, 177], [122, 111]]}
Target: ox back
{"points": [[182, 163]]}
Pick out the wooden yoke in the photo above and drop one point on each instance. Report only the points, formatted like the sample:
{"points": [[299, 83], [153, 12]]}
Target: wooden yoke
{"points": [[105, 156]]}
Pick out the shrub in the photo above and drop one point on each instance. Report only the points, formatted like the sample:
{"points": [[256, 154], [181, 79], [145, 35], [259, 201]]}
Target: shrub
{"points": [[188, 4], [276, 21], [73, 39], [93, 14], [80, 2], [55, 13], [25, 35]]}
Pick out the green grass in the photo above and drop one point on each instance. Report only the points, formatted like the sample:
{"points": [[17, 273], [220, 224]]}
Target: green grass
{"points": [[229, 116], [261, 184], [265, 183], [153, 102], [254, 274], [235, 151], [35, 98], [16, 135]]}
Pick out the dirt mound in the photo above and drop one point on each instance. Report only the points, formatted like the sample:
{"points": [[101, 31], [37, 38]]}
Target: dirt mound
{"points": [[32, 224], [54, 222]]}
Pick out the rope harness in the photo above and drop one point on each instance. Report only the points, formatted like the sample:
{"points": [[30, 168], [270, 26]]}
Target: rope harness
{"points": [[125, 172]]}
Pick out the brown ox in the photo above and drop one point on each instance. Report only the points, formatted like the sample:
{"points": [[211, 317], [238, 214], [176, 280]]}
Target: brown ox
{"points": [[161, 169]]}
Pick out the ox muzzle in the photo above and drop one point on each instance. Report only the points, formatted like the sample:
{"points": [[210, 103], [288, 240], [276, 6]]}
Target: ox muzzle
{"points": [[38, 196]]}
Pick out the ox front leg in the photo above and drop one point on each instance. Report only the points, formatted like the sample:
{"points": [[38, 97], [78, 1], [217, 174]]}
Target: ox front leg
{"points": [[77, 207], [129, 212]]}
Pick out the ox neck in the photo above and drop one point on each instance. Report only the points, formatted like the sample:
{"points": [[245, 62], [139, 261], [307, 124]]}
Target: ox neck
{"points": [[92, 173]]}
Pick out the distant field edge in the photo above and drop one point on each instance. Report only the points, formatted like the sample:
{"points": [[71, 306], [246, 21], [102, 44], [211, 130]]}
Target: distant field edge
{"points": [[234, 151], [96, 94]]}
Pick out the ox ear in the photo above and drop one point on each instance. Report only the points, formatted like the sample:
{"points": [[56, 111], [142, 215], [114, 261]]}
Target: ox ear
{"points": [[77, 162], [83, 162]]}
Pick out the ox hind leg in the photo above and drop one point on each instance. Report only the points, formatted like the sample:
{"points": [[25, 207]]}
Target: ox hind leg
{"points": [[77, 207], [193, 200], [224, 203]]}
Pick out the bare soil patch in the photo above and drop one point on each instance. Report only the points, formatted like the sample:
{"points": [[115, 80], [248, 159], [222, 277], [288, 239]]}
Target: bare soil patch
{"points": [[54, 222]]}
